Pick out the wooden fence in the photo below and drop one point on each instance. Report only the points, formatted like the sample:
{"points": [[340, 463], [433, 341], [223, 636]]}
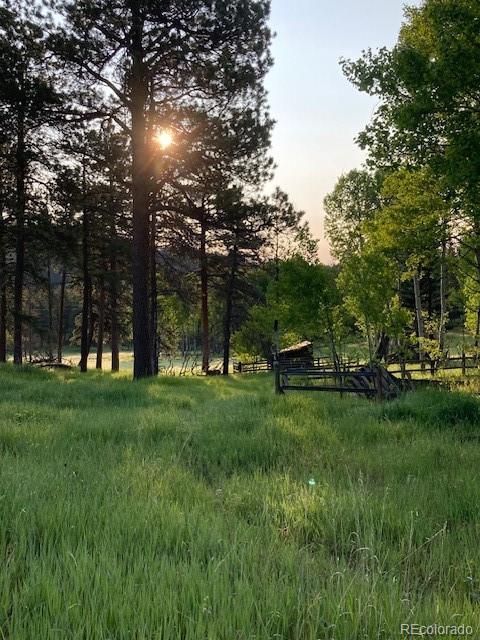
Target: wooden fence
{"points": [[462, 362], [374, 381], [369, 380], [350, 376], [322, 362], [252, 367]]}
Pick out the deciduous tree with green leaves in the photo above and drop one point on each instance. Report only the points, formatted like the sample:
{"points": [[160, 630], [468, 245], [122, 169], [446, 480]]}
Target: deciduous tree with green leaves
{"points": [[427, 87], [353, 202], [412, 229]]}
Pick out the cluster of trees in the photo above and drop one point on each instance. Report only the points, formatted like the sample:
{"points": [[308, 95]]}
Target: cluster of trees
{"points": [[134, 153], [406, 228], [134, 150]]}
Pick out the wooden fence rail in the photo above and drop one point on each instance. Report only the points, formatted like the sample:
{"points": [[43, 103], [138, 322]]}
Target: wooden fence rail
{"points": [[371, 382], [320, 374], [453, 363], [322, 362], [368, 380]]}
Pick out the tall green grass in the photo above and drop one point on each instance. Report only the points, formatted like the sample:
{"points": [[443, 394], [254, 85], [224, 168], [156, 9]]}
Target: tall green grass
{"points": [[211, 509]]}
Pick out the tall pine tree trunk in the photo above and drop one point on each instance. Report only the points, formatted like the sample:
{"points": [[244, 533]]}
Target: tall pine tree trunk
{"points": [[101, 323], [114, 328], [3, 322], [87, 282], [30, 330], [3, 292], [20, 198], [61, 319], [204, 294], [140, 247], [113, 283], [50, 310], [227, 322], [153, 293], [91, 324]]}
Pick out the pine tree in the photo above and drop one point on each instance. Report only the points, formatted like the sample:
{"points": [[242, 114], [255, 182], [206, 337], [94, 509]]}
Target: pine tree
{"points": [[180, 51], [27, 102]]}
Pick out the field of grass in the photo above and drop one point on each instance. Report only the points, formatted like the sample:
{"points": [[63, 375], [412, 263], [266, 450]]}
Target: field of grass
{"points": [[201, 508]]}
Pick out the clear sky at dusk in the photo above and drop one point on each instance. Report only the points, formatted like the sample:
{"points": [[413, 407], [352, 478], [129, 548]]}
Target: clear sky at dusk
{"points": [[318, 112]]}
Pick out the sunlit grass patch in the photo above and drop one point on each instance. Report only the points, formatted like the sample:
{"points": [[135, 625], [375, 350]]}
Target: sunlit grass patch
{"points": [[197, 507]]}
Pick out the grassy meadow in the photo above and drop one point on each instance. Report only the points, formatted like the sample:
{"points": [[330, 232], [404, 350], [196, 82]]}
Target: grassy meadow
{"points": [[169, 365], [196, 508]]}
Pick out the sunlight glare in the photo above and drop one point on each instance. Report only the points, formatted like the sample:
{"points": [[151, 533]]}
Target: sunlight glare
{"points": [[164, 138]]}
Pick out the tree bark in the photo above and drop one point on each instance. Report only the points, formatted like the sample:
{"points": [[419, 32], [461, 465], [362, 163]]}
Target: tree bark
{"points": [[383, 345], [153, 293], [430, 297], [30, 331], [114, 328], [418, 313], [91, 325], [140, 246], [333, 350], [276, 324], [61, 319], [113, 283], [20, 177], [331, 340], [101, 323], [87, 283], [227, 323], [204, 294], [443, 302], [369, 339], [50, 310], [3, 293], [477, 333]]}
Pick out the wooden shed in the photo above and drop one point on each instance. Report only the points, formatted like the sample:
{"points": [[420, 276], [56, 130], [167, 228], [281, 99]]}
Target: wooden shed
{"points": [[298, 354]]}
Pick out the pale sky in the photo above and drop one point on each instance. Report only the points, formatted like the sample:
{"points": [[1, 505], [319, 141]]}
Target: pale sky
{"points": [[318, 112]]}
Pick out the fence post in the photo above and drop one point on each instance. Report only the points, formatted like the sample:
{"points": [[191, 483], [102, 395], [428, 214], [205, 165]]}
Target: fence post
{"points": [[278, 385], [463, 363]]}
